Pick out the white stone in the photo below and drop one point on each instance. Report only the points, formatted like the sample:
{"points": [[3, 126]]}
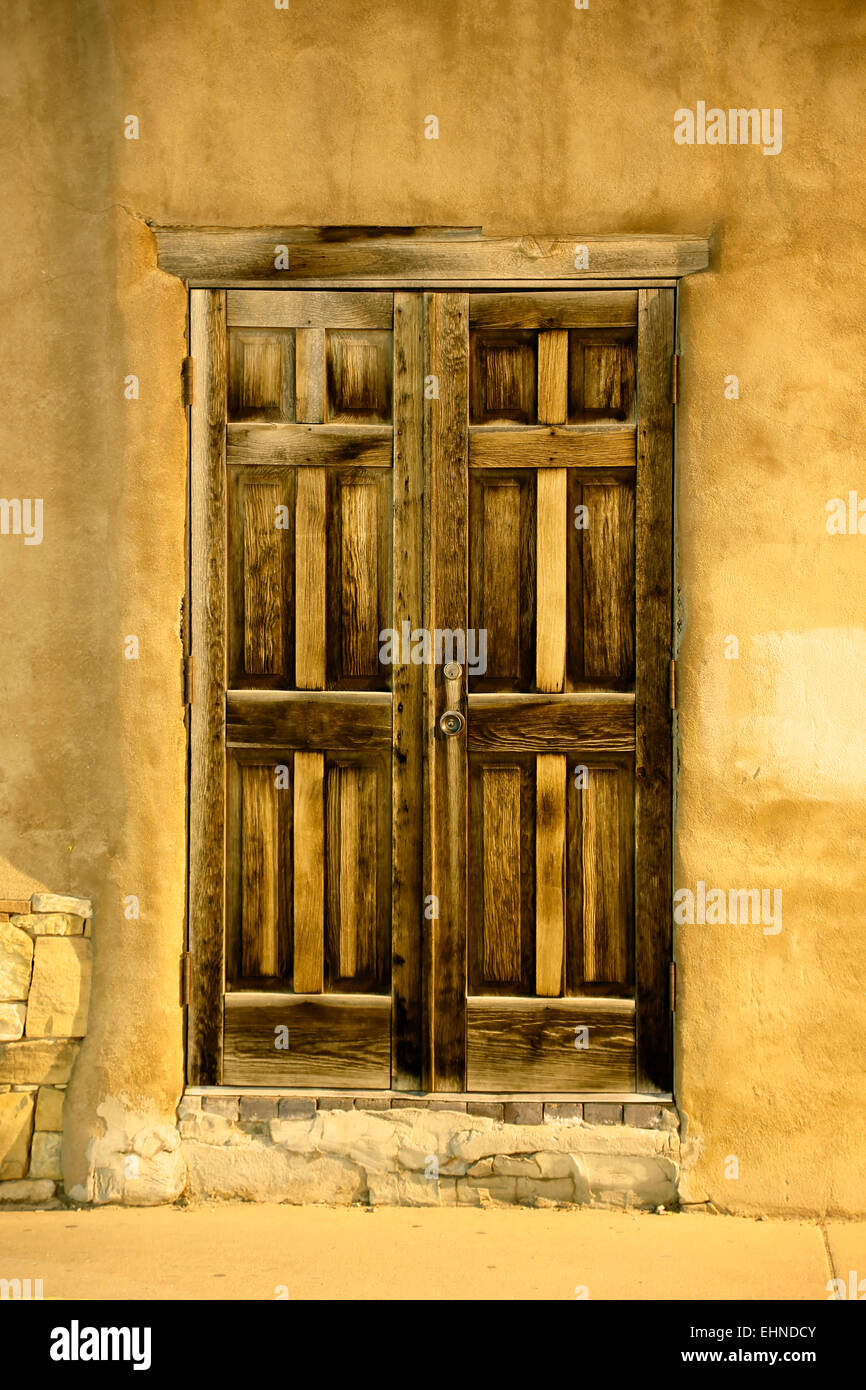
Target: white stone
{"points": [[49, 924], [266, 1173], [16, 1127], [629, 1180], [12, 1021], [60, 992], [58, 902], [27, 1190], [16, 958], [45, 1156]]}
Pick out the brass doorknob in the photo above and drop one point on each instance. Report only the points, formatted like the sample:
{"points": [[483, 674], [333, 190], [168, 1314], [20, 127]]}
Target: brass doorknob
{"points": [[452, 722]]}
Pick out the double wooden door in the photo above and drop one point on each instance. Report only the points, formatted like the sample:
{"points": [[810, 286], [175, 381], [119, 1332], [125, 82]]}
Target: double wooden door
{"points": [[430, 739]]}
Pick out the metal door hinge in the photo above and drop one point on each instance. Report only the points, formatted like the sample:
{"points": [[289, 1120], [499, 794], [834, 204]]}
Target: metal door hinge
{"points": [[673, 684], [187, 679], [673, 986], [675, 377], [186, 381], [185, 978]]}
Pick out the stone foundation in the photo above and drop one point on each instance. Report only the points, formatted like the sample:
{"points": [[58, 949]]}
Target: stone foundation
{"points": [[45, 965], [383, 1152]]}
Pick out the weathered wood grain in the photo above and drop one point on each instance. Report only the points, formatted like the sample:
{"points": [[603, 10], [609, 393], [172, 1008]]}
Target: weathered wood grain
{"points": [[209, 628], [446, 437], [608, 582], [308, 721], [602, 723], [313, 446], [264, 619], [517, 1044], [227, 255], [551, 609], [310, 580], [407, 683], [501, 874], [653, 646], [310, 375], [309, 869], [549, 874], [308, 309], [553, 377], [609, 448], [334, 1040], [551, 309], [259, 873]]}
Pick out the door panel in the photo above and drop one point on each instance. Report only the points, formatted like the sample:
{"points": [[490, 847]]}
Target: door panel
{"points": [[480, 904]]}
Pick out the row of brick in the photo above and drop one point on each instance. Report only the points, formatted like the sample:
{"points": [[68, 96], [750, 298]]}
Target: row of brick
{"points": [[519, 1112]]}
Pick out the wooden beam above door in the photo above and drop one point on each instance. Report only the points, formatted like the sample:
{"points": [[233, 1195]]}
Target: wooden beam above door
{"points": [[406, 257]]}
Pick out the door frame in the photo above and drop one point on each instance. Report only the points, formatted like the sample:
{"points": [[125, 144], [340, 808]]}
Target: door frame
{"points": [[434, 259]]}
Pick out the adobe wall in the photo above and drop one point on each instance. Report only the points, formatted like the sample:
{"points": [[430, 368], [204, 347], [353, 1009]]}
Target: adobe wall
{"points": [[552, 120]]}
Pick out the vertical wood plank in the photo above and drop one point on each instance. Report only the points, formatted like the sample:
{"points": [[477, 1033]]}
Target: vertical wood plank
{"points": [[608, 582], [360, 579], [500, 540], [310, 375], [206, 908], [550, 773], [357, 894], [551, 537], [309, 872], [604, 874], [310, 579], [653, 639], [259, 883], [553, 377], [407, 684], [447, 437], [263, 581], [501, 874]]}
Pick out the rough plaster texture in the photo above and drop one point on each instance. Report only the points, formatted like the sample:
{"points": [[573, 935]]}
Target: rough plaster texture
{"points": [[551, 120]]}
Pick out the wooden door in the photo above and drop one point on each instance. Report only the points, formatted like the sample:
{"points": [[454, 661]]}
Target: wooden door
{"points": [[375, 902]]}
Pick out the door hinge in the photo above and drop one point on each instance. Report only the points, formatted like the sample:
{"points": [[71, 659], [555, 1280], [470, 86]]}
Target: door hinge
{"points": [[675, 377], [185, 978], [186, 381], [187, 678], [673, 684], [673, 986]]}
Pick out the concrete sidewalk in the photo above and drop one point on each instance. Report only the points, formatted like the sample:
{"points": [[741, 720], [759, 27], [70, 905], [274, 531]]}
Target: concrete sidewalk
{"points": [[254, 1252]]}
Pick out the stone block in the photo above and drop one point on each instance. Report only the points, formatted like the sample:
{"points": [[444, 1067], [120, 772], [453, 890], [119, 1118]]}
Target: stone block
{"points": [[373, 1103], [13, 906], [258, 1107], [487, 1191], [554, 1165], [524, 1112], [297, 1108], [16, 1128], [456, 1107], [16, 960], [336, 1103], [49, 1108], [482, 1169], [189, 1105], [214, 1129], [50, 924], [264, 1173], [642, 1116], [509, 1166], [556, 1110], [630, 1181], [40, 1061], [29, 1191], [12, 1022], [60, 992], [553, 1190], [58, 902], [227, 1106], [45, 1156], [408, 1103], [490, 1109], [602, 1113]]}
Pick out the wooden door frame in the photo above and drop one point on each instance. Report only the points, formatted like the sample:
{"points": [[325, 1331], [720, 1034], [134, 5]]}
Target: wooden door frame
{"points": [[433, 259]]}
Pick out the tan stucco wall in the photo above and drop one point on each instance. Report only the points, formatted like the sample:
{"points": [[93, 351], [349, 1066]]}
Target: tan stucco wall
{"points": [[551, 120]]}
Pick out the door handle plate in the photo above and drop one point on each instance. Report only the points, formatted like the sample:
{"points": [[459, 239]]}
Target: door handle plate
{"points": [[452, 722]]}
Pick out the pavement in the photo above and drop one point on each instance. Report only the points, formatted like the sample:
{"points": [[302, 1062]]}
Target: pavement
{"points": [[239, 1251]]}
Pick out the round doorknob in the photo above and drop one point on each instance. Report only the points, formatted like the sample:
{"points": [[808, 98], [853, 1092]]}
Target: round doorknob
{"points": [[451, 722], [452, 670]]}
